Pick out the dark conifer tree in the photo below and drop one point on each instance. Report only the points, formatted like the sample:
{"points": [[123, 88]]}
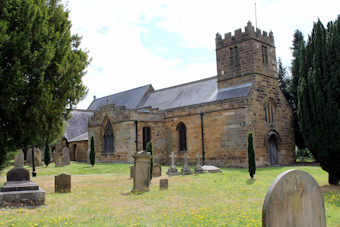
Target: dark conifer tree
{"points": [[251, 156], [92, 152], [47, 154]]}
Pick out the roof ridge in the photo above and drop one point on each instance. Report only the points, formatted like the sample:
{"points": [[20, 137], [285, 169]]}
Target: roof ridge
{"points": [[180, 85], [123, 91]]}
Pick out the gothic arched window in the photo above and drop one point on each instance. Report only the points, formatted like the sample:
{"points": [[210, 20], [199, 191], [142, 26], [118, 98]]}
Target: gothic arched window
{"points": [[269, 109], [182, 136], [108, 138]]}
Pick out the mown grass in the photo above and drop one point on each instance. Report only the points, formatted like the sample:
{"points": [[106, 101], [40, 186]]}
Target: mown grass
{"points": [[101, 197]]}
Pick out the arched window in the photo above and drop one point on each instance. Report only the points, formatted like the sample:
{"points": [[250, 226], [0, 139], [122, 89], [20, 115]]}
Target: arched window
{"points": [[108, 138], [182, 136], [269, 109]]}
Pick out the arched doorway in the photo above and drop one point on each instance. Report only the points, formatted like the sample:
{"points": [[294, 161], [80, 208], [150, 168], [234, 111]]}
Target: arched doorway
{"points": [[273, 154]]}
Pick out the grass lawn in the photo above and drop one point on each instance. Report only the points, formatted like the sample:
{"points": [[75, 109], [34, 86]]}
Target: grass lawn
{"points": [[101, 197]]}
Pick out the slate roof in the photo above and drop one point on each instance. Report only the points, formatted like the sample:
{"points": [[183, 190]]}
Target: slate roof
{"points": [[77, 124], [82, 137], [196, 92], [130, 98]]}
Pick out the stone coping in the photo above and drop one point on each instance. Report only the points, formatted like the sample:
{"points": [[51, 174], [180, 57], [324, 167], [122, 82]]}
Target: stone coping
{"points": [[19, 186]]}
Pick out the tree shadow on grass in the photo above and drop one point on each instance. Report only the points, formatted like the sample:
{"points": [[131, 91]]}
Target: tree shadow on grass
{"points": [[250, 181]]}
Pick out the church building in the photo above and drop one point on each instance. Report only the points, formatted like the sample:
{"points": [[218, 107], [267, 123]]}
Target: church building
{"points": [[212, 116]]}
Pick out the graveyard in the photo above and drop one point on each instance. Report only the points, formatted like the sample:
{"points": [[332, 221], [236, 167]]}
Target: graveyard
{"points": [[101, 196]]}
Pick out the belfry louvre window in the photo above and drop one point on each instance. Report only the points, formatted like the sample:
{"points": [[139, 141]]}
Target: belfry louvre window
{"points": [[234, 56], [269, 109], [146, 136], [264, 55], [108, 139], [182, 136]]}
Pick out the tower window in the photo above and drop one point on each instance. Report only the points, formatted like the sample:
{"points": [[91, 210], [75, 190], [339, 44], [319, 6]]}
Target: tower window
{"points": [[233, 56], [269, 109], [264, 55]]}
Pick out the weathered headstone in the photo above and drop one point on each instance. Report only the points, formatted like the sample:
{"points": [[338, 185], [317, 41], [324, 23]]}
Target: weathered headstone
{"points": [[62, 183], [141, 178], [62, 157], [19, 159], [157, 170], [198, 168], [37, 157], [172, 171], [294, 199], [19, 190], [132, 170], [186, 170], [163, 184]]}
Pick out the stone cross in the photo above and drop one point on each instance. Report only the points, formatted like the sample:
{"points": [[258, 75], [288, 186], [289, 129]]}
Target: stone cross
{"points": [[185, 161], [172, 156], [186, 170], [294, 199], [19, 159]]}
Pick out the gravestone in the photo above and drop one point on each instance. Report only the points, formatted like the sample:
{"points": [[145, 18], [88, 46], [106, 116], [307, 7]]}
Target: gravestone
{"points": [[211, 169], [19, 190], [163, 184], [62, 157], [37, 157], [294, 199], [132, 170], [141, 178], [198, 168], [19, 159], [172, 171], [157, 170], [62, 183], [186, 170]]}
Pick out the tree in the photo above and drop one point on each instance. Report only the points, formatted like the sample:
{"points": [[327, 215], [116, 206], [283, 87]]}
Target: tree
{"points": [[47, 154], [92, 152], [149, 149], [284, 81], [251, 156], [41, 67], [319, 96], [293, 87]]}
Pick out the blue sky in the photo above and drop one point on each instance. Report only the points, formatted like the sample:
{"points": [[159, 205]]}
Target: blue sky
{"points": [[168, 42]]}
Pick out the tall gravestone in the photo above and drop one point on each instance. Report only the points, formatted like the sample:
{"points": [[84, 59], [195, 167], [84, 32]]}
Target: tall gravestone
{"points": [[141, 178], [172, 171], [37, 157], [19, 159], [198, 167], [294, 199], [186, 170], [157, 170], [62, 156]]}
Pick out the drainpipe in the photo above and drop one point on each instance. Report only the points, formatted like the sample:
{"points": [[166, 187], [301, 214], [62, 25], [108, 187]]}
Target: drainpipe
{"points": [[202, 134], [34, 174], [136, 123]]}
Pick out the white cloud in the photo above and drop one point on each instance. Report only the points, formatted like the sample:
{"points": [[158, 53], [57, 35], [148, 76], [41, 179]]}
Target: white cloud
{"points": [[112, 32]]}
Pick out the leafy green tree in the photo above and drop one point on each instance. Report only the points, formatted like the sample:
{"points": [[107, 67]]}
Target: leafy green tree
{"points": [[47, 154], [150, 149], [41, 70], [92, 152], [251, 156], [284, 81], [319, 96]]}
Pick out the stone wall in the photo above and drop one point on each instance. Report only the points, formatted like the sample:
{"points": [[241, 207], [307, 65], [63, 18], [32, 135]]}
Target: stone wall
{"points": [[78, 151]]}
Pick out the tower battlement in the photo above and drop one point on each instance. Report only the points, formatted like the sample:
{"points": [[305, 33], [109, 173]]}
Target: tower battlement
{"points": [[239, 36]]}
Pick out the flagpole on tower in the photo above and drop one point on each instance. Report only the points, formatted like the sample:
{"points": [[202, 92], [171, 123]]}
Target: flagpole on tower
{"points": [[255, 17]]}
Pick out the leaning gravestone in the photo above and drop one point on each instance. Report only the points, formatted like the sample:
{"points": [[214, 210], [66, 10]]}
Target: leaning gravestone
{"points": [[62, 157], [141, 178], [19, 190], [186, 170], [37, 157], [19, 159], [157, 170], [172, 171], [294, 199], [62, 183]]}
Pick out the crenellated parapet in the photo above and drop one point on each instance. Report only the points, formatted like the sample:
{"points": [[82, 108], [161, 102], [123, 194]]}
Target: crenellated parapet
{"points": [[239, 36]]}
